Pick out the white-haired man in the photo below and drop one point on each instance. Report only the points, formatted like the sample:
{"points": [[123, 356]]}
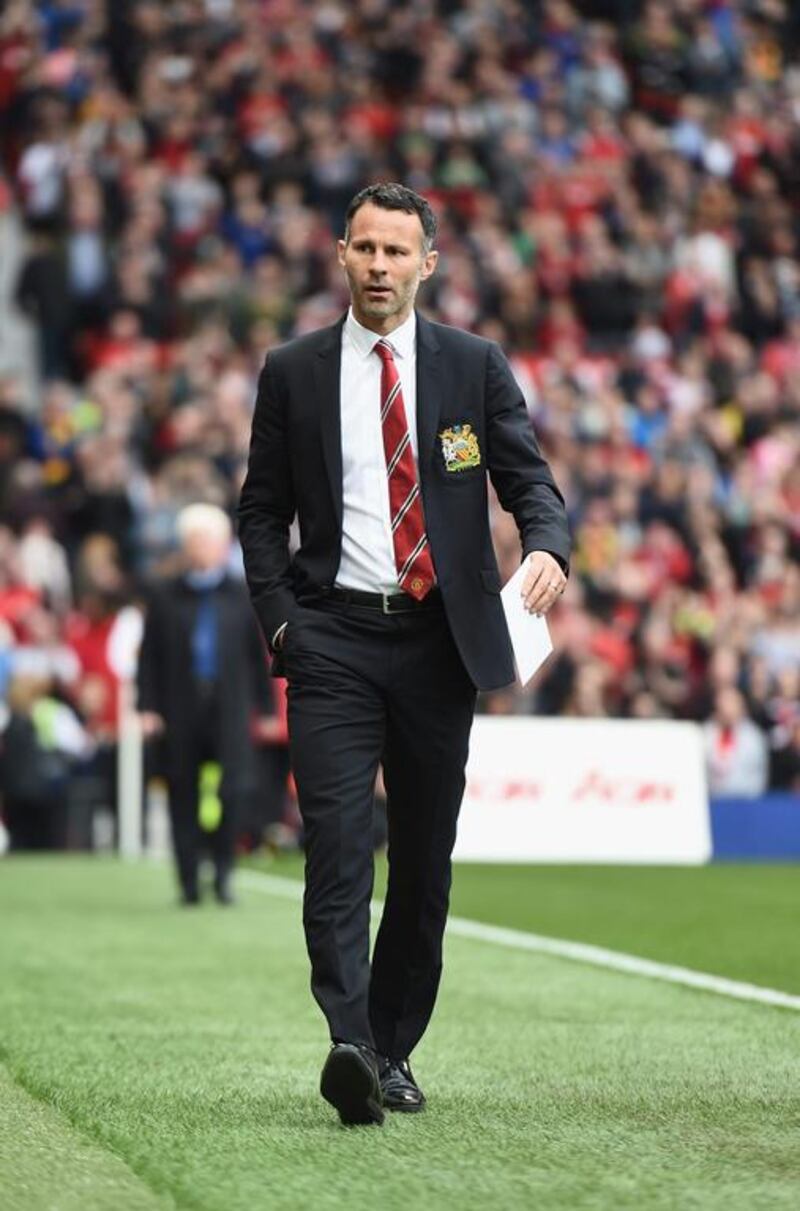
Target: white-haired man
{"points": [[202, 682]]}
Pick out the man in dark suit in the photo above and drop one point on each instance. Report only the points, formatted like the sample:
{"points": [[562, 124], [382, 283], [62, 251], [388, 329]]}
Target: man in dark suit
{"points": [[203, 686], [378, 433]]}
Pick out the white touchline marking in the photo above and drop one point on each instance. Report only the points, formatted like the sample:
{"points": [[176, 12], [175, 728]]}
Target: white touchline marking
{"points": [[561, 948]]}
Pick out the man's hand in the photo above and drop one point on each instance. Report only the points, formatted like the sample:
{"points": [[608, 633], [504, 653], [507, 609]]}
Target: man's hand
{"points": [[543, 584], [151, 724], [269, 729]]}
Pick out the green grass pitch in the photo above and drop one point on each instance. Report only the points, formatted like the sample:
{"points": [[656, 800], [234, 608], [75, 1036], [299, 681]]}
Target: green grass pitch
{"points": [[154, 1058]]}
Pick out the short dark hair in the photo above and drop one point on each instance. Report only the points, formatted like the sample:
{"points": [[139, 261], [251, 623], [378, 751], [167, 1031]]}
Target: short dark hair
{"points": [[391, 196]]}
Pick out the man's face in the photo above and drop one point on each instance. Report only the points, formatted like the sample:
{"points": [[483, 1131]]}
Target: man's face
{"points": [[385, 262], [205, 550]]}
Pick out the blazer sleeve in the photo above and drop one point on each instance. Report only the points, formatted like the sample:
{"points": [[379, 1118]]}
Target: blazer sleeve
{"points": [[267, 508], [517, 468]]}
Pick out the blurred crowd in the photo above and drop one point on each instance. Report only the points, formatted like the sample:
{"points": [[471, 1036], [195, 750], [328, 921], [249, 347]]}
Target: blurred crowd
{"points": [[618, 189]]}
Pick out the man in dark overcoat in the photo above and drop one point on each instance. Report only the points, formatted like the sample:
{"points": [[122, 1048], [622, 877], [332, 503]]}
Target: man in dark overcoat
{"points": [[203, 685]]}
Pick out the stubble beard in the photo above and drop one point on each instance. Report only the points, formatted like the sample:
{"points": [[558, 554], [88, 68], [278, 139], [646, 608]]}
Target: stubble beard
{"points": [[383, 309], [380, 308]]}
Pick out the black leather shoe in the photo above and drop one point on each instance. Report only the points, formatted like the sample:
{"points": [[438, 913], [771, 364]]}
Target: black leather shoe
{"points": [[350, 1083], [400, 1090]]}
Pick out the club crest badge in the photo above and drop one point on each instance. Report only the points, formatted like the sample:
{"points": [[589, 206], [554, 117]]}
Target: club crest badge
{"points": [[460, 448]]}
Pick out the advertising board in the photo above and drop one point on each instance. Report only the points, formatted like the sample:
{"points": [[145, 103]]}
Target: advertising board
{"points": [[584, 790]]}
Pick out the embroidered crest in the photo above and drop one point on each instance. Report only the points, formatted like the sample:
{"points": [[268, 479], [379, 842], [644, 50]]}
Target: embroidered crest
{"points": [[460, 448]]}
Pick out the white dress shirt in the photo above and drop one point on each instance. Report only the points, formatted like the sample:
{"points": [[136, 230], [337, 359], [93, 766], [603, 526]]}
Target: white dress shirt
{"points": [[367, 560]]}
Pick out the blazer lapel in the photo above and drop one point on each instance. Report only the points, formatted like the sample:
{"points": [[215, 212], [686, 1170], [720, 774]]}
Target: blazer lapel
{"points": [[327, 375], [429, 394]]}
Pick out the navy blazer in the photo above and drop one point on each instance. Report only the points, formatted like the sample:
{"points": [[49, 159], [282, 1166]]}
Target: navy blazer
{"points": [[295, 467]]}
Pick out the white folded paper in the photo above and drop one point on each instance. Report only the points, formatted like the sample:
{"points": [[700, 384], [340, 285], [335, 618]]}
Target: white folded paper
{"points": [[530, 636]]}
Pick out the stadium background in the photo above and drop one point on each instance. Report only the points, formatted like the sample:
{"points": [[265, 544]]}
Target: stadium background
{"points": [[617, 185]]}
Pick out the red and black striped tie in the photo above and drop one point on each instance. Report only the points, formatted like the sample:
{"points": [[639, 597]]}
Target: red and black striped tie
{"points": [[412, 554]]}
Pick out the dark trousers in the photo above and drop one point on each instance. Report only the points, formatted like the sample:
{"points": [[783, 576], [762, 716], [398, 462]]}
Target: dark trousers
{"points": [[365, 687], [188, 838]]}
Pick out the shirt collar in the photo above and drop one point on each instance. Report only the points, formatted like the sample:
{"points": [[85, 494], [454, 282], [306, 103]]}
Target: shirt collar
{"points": [[200, 580], [364, 340]]}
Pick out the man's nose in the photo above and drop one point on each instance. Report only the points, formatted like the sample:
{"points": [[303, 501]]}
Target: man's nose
{"points": [[377, 265]]}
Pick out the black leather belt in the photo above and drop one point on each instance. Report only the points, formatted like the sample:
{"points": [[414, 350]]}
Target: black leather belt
{"points": [[386, 603]]}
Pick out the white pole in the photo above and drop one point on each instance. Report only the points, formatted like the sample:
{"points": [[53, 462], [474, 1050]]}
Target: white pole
{"points": [[129, 774]]}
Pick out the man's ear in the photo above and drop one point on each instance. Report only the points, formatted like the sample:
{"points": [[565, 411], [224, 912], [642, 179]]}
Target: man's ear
{"points": [[429, 265], [341, 245]]}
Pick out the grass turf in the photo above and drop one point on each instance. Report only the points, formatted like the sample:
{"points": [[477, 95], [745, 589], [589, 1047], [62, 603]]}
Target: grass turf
{"points": [[174, 1056], [735, 920], [45, 1163]]}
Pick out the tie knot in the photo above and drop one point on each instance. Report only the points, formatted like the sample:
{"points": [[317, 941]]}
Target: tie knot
{"points": [[384, 351]]}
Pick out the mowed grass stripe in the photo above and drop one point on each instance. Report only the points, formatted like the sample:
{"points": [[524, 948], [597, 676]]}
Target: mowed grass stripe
{"points": [[561, 948], [45, 1165], [188, 1043], [738, 921]]}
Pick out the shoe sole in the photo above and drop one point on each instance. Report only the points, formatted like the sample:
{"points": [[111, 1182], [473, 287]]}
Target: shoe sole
{"points": [[408, 1108], [349, 1085]]}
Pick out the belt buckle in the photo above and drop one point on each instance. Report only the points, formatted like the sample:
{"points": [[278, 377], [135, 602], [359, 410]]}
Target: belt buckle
{"points": [[386, 603]]}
